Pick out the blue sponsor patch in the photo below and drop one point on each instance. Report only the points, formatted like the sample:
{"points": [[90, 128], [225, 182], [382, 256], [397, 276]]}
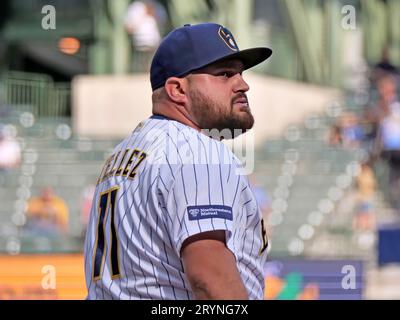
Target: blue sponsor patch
{"points": [[209, 211]]}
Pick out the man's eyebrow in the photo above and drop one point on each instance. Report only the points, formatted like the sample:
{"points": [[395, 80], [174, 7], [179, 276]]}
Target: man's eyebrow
{"points": [[221, 66], [236, 65], [233, 67]]}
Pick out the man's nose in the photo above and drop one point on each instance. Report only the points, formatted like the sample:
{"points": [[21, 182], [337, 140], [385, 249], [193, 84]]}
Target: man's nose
{"points": [[240, 84]]}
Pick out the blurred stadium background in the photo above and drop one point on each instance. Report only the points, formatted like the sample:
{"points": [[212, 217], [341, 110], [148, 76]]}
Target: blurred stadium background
{"points": [[69, 94]]}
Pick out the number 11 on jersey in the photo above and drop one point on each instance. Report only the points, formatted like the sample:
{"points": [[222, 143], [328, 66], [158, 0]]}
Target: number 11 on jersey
{"points": [[106, 206]]}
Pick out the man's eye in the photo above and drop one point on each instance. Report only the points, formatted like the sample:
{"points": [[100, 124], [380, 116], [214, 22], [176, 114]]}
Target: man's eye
{"points": [[225, 74]]}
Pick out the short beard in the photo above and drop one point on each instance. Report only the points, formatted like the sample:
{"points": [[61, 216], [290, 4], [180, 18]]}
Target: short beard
{"points": [[212, 115]]}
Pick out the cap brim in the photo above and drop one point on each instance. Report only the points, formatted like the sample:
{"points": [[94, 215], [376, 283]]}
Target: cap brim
{"points": [[251, 57]]}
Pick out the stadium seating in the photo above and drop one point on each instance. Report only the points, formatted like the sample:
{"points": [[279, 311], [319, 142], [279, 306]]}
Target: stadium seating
{"points": [[319, 178], [51, 156], [305, 177]]}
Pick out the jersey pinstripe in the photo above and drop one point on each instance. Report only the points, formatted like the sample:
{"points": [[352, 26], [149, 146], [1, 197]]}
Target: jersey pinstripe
{"points": [[163, 184]]}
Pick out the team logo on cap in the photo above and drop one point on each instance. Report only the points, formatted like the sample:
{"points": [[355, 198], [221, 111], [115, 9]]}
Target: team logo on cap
{"points": [[227, 37]]}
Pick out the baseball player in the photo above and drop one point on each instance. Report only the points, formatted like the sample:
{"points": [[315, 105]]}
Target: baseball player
{"points": [[172, 217]]}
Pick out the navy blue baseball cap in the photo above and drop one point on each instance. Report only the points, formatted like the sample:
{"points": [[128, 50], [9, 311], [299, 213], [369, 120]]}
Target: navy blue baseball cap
{"points": [[191, 47]]}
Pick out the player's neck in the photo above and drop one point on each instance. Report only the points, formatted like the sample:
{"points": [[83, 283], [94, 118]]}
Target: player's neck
{"points": [[175, 113]]}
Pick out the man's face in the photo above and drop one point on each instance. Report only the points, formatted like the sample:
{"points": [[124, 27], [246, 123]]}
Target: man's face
{"points": [[217, 95], [387, 89], [47, 194]]}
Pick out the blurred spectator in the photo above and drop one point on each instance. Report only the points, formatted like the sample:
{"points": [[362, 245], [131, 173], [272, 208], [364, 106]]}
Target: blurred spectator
{"points": [[374, 115], [160, 14], [390, 146], [335, 136], [86, 205], [383, 67], [142, 22], [385, 119], [10, 152], [366, 187], [47, 214], [347, 131], [351, 130], [387, 89]]}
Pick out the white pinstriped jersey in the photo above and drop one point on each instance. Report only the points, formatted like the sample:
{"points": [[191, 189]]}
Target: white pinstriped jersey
{"points": [[163, 184]]}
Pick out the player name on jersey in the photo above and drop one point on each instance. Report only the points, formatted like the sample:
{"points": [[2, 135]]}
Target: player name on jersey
{"points": [[123, 163]]}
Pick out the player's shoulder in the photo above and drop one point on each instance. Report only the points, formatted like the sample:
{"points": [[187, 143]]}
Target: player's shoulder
{"points": [[173, 144], [188, 146]]}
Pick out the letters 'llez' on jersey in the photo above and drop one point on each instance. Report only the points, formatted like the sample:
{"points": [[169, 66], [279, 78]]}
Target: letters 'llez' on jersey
{"points": [[161, 185]]}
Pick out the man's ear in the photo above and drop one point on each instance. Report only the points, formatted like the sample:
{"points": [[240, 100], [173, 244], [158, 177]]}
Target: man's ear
{"points": [[176, 89]]}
